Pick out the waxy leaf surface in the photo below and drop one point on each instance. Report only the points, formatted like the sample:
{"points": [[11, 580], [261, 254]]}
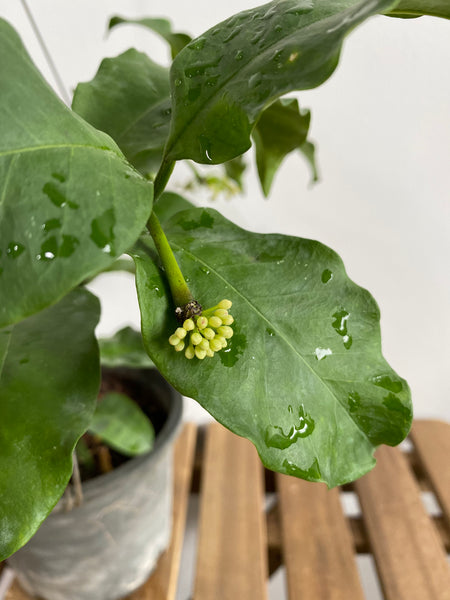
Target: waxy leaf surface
{"points": [[222, 80], [129, 99], [418, 8], [303, 376], [69, 202], [49, 379]]}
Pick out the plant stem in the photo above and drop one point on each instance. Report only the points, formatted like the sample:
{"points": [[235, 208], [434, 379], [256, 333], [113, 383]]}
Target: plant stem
{"points": [[180, 292], [76, 480], [162, 177]]}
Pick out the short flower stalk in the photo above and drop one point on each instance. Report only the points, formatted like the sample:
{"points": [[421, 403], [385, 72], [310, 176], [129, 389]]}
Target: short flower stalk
{"points": [[203, 335]]}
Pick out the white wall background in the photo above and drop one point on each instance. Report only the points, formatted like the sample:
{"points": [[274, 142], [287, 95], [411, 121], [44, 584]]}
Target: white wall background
{"points": [[382, 127]]}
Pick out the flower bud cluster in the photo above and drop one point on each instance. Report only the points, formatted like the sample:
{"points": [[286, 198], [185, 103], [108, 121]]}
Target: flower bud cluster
{"points": [[205, 334]]}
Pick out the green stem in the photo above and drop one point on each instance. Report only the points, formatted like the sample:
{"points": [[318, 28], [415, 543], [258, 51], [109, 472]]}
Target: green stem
{"points": [[162, 177], [180, 292]]}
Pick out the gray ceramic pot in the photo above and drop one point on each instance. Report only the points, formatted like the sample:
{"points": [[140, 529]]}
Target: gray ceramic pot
{"points": [[108, 546]]}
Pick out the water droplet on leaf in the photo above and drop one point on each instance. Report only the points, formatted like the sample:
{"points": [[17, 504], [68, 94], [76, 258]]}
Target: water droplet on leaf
{"points": [[14, 249]]}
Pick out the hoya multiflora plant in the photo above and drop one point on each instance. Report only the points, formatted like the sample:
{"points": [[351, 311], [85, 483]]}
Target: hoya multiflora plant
{"points": [[267, 332]]}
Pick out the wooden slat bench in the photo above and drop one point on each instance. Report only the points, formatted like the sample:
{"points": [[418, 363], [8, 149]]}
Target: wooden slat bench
{"points": [[243, 538]]}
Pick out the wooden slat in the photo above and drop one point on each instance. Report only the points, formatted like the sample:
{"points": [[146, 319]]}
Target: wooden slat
{"points": [[432, 443], [231, 562], [408, 552], [162, 584], [317, 545]]}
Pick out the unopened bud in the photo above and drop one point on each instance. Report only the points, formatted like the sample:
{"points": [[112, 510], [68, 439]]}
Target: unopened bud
{"points": [[180, 332], [208, 333], [221, 312], [226, 304], [225, 331], [215, 345], [174, 340], [189, 353], [228, 320], [199, 353], [202, 322], [196, 338], [215, 322], [204, 344], [179, 347], [189, 325]]}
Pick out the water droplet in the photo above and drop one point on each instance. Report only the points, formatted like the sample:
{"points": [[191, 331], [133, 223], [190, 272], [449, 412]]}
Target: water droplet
{"points": [[237, 345], [59, 177], [387, 383], [303, 427], [14, 249], [51, 224], [354, 401], [56, 196], [212, 81], [49, 249], [327, 276], [68, 246], [102, 231], [167, 112], [277, 56], [271, 332], [24, 361], [239, 55], [278, 28], [206, 220], [340, 322], [348, 341], [311, 473], [206, 147], [177, 82], [197, 44], [205, 270], [255, 80], [322, 353], [235, 32], [391, 402]]}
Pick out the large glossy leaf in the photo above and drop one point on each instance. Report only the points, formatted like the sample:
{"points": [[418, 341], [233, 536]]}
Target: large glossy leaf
{"points": [[129, 98], [49, 379], [417, 8], [222, 80], [281, 129], [303, 376], [69, 202], [163, 27]]}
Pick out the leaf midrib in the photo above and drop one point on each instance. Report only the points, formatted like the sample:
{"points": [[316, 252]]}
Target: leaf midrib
{"points": [[28, 149], [274, 327]]}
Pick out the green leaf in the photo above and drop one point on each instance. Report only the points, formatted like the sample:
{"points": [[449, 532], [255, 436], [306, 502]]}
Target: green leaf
{"points": [[121, 424], [235, 169], [124, 349], [223, 80], [170, 204], [281, 129], [135, 112], [69, 202], [162, 27], [303, 376], [418, 8], [49, 379]]}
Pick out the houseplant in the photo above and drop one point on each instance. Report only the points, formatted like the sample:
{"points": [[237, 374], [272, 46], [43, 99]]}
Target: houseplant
{"points": [[317, 334]]}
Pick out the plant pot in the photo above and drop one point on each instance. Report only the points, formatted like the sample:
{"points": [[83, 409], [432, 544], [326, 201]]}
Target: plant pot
{"points": [[108, 546]]}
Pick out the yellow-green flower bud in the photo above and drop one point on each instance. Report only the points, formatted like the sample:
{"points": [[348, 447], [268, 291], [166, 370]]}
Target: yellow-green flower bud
{"points": [[215, 322], [174, 340], [222, 340], [189, 325], [209, 353], [204, 344], [226, 304], [179, 347], [199, 353], [180, 332], [228, 320], [215, 345], [208, 333], [202, 322], [189, 353], [221, 312], [196, 338], [225, 331]]}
